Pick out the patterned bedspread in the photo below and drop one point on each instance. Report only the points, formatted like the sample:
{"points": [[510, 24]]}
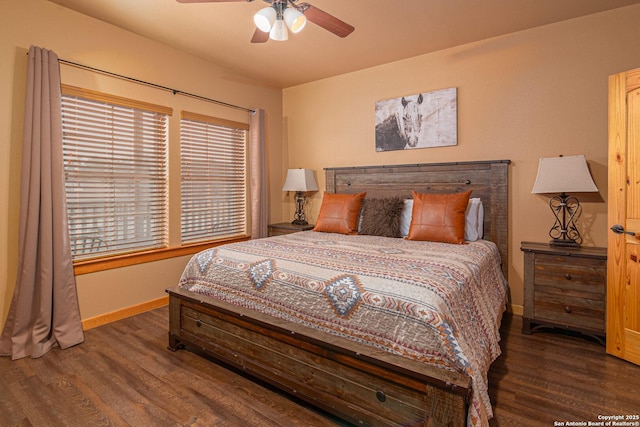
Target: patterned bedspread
{"points": [[433, 302]]}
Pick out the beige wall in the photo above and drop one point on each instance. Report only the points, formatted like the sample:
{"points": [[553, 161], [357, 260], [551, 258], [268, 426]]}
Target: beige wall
{"points": [[81, 39], [536, 93]]}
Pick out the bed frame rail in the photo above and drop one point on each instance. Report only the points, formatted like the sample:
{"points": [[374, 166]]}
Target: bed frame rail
{"points": [[352, 381]]}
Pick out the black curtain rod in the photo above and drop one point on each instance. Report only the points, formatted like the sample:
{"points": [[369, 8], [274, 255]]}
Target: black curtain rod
{"points": [[174, 91]]}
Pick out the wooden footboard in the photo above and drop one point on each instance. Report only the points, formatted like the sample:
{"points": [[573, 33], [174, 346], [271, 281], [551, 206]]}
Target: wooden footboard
{"points": [[353, 381]]}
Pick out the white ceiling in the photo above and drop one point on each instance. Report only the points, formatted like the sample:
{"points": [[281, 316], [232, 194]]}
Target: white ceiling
{"points": [[386, 31]]}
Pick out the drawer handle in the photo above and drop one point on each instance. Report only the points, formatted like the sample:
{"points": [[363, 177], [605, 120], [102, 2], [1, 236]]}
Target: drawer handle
{"points": [[198, 323], [381, 396], [567, 276], [567, 309]]}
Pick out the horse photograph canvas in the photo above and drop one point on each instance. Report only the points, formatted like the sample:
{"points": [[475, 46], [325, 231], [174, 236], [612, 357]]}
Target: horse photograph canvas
{"points": [[417, 121]]}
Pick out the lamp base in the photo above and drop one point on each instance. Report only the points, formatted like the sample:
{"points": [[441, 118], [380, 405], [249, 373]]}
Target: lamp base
{"points": [[564, 243], [299, 218], [564, 231]]}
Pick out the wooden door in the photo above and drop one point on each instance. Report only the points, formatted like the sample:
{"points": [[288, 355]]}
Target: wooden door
{"points": [[623, 254]]}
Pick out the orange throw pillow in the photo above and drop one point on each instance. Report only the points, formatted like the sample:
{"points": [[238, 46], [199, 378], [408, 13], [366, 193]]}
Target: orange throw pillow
{"points": [[438, 217], [339, 213]]}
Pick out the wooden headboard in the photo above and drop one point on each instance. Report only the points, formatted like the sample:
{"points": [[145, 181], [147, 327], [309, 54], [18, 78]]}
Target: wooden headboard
{"points": [[487, 180]]}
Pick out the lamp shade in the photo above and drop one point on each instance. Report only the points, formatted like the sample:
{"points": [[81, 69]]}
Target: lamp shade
{"points": [[565, 174], [265, 18], [279, 31], [294, 19], [300, 180]]}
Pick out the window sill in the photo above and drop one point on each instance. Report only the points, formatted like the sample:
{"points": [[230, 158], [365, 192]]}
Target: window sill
{"points": [[101, 264]]}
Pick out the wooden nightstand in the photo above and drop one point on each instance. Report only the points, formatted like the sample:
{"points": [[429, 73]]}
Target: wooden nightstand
{"points": [[287, 228], [565, 288]]}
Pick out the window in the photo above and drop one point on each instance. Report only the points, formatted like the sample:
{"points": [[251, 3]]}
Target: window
{"points": [[115, 163], [214, 182]]}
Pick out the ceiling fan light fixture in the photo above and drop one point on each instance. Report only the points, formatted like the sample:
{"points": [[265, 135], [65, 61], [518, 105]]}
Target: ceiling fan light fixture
{"points": [[279, 31], [287, 15], [265, 19], [294, 19]]}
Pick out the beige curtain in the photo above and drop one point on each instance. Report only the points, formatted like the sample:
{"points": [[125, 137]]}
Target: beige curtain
{"points": [[44, 309], [258, 175]]}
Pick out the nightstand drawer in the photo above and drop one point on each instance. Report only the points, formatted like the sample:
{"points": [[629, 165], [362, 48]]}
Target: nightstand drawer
{"points": [[585, 311], [573, 272]]}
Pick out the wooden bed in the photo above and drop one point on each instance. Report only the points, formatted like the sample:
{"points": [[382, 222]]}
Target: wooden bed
{"points": [[356, 382]]}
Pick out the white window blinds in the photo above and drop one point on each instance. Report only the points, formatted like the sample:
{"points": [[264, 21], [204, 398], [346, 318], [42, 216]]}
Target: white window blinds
{"points": [[214, 178], [115, 154]]}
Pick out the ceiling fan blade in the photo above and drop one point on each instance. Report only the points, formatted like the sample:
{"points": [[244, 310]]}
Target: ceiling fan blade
{"points": [[210, 1], [259, 36], [327, 21]]}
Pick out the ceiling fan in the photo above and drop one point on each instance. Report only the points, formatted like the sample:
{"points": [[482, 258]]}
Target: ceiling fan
{"points": [[272, 21]]}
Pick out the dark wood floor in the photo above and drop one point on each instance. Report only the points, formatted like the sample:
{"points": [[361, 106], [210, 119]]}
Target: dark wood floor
{"points": [[124, 375]]}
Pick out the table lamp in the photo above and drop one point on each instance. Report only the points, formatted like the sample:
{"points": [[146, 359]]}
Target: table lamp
{"points": [[300, 180], [564, 174]]}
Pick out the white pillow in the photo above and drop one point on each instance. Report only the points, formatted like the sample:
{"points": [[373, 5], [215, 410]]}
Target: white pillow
{"points": [[474, 219], [405, 217]]}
